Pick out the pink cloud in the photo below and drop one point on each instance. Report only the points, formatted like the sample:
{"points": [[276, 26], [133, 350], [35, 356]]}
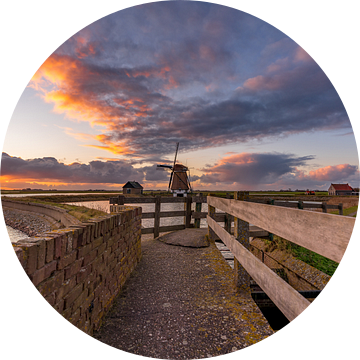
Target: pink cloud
{"points": [[331, 173], [301, 55]]}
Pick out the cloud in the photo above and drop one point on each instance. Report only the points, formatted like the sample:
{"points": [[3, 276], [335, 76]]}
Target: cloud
{"points": [[153, 173], [144, 74], [49, 170], [252, 168], [274, 171], [245, 170], [333, 173]]}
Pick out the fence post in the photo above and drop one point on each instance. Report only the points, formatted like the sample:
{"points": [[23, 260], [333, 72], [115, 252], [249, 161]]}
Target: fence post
{"points": [[241, 233], [227, 225], [157, 216], [188, 211], [324, 207], [198, 207], [271, 236], [341, 209], [211, 232], [300, 205]]}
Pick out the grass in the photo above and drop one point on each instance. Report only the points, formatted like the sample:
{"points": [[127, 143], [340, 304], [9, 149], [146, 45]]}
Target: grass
{"points": [[347, 211], [351, 210], [81, 213], [311, 258]]}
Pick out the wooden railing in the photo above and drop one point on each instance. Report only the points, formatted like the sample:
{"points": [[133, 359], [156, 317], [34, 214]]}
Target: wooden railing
{"points": [[187, 213], [198, 214], [325, 234]]}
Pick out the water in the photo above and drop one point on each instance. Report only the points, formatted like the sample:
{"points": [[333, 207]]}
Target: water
{"points": [[148, 223], [15, 235], [49, 194]]}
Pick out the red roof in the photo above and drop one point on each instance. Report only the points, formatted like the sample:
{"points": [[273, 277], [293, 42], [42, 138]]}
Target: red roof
{"points": [[342, 187]]}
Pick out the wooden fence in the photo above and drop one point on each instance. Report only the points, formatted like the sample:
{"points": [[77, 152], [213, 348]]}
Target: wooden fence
{"points": [[325, 234], [187, 213], [198, 214]]}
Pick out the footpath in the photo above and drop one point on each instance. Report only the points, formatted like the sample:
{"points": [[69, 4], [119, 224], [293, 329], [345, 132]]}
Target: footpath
{"points": [[181, 303]]}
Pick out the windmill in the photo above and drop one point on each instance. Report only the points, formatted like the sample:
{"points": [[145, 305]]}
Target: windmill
{"points": [[179, 183]]}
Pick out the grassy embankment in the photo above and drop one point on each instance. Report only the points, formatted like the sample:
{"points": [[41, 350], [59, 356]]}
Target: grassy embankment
{"points": [[81, 213], [309, 257]]}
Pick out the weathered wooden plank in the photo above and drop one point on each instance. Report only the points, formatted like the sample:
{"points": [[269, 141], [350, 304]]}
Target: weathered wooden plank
{"points": [[171, 228], [325, 234], [147, 230], [162, 229], [198, 207], [164, 199], [172, 213], [148, 215], [241, 234], [157, 216], [258, 233], [163, 214], [199, 215], [188, 211], [211, 213], [286, 298], [139, 200]]}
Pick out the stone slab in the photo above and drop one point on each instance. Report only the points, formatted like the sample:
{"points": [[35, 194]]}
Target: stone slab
{"points": [[195, 238]]}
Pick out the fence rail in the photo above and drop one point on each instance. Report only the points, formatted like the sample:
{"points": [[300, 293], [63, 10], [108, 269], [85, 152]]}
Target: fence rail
{"points": [[187, 213], [325, 234], [198, 214]]}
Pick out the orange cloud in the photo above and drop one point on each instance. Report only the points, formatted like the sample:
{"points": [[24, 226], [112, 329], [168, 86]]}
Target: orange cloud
{"points": [[330, 172], [99, 96], [237, 159], [111, 146]]}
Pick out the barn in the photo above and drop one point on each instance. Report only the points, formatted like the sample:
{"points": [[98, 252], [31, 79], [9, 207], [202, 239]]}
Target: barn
{"points": [[341, 189], [132, 187]]}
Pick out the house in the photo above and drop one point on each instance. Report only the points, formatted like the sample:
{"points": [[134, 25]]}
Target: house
{"points": [[309, 192], [341, 189], [132, 187]]}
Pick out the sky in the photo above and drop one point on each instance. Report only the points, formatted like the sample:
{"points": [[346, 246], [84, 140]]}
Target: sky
{"points": [[250, 108]]}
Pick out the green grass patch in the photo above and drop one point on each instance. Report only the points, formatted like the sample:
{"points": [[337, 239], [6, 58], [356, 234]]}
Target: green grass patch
{"points": [[319, 262], [351, 210], [347, 211], [311, 258]]}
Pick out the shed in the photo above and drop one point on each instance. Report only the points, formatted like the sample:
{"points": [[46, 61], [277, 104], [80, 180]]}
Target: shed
{"points": [[132, 187], [341, 189]]}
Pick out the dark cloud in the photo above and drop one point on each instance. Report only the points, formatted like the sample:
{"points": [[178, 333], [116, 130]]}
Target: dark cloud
{"points": [[276, 170], [50, 169], [153, 173], [198, 73], [252, 168]]}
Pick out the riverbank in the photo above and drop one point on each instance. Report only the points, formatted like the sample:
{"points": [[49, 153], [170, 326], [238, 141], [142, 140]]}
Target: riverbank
{"points": [[29, 223]]}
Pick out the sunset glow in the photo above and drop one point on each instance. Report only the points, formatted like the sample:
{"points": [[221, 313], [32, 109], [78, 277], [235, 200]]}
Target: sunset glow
{"points": [[248, 114]]}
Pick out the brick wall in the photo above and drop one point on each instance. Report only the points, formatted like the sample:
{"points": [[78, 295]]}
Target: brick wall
{"points": [[81, 269]]}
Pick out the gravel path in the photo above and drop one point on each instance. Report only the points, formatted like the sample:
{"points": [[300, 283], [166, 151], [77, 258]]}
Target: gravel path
{"points": [[180, 303], [29, 223]]}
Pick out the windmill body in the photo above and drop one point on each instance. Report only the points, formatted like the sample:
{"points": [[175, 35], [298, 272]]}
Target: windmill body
{"points": [[179, 183]]}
